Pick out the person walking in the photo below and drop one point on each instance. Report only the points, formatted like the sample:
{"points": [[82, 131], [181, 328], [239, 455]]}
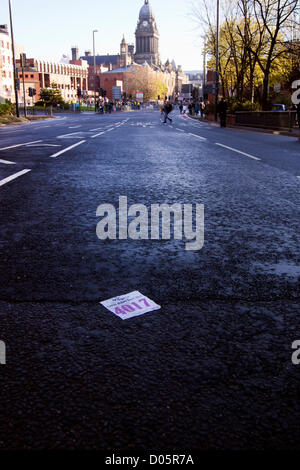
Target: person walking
{"points": [[181, 108], [223, 112], [202, 108], [167, 110]]}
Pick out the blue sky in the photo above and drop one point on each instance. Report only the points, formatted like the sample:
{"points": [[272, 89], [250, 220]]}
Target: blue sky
{"points": [[48, 29]]}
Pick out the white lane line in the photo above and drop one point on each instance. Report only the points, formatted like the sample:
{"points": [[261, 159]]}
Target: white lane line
{"points": [[97, 129], [238, 151], [69, 135], [67, 149], [298, 177], [6, 162], [74, 127], [198, 137], [97, 135], [21, 145], [13, 177], [181, 130], [108, 130], [43, 145]]}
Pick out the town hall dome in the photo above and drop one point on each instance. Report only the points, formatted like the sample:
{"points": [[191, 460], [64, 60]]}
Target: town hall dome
{"points": [[146, 12]]}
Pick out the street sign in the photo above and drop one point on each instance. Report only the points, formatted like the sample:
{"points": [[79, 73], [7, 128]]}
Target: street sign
{"points": [[116, 92], [23, 60], [140, 96]]}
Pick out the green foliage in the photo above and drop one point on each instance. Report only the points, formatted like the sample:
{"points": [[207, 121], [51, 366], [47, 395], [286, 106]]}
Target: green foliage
{"points": [[255, 51], [281, 98], [51, 96], [234, 106], [7, 109]]}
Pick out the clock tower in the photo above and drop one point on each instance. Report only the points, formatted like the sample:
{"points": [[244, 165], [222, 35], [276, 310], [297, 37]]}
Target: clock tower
{"points": [[147, 37]]}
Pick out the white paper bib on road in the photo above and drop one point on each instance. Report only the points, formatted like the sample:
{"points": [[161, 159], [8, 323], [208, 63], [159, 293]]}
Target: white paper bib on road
{"points": [[130, 305]]}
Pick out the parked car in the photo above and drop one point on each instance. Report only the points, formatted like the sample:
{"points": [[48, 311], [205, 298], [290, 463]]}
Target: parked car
{"points": [[279, 107]]}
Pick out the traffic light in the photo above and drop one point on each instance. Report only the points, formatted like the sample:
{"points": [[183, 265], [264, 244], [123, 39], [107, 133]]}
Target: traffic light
{"points": [[79, 92], [31, 91], [158, 97]]}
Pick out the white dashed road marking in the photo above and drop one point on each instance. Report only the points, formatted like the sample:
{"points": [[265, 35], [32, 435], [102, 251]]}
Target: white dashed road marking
{"points": [[6, 162], [238, 151], [43, 145], [73, 135], [67, 149], [21, 145], [198, 137], [13, 177], [97, 135]]}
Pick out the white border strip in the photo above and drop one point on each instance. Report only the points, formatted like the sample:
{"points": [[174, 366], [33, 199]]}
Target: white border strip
{"points": [[239, 151], [67, 149], [13, 177]]}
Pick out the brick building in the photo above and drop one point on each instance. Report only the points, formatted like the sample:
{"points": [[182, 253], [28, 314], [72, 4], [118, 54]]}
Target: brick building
{"points": [[68, 77], [31, 80]]}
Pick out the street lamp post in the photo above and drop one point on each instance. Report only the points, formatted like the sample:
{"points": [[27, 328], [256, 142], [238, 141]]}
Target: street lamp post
{"points": [[95, 74], [14, 59], [217, 62]]}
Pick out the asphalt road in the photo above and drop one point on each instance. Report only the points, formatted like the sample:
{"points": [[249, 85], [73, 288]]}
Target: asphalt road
{"points": [[212, 369]]}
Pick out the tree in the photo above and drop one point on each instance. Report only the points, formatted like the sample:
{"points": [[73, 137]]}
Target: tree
{"points": [[272, 17], [255, 50], [52, 95], [147, 81]]}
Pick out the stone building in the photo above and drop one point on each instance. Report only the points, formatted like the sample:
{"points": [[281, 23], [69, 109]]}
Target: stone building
{"points": [[147, 37]]}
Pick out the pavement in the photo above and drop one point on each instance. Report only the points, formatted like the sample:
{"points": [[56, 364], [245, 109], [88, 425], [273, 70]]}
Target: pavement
{"points": [[294, 132], [212, 368]]}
